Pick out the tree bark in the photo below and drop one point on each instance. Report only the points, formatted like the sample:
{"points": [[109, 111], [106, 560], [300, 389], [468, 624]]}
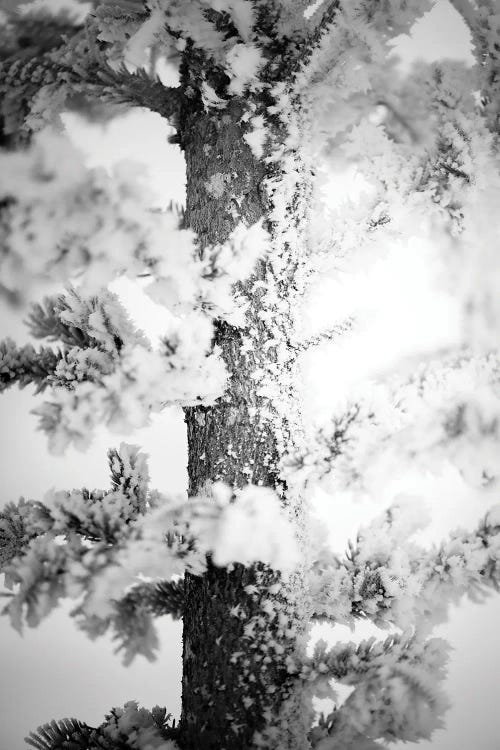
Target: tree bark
{"points": [[236, 655]]}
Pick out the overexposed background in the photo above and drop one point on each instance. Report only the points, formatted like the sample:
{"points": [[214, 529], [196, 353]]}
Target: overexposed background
{"points": [[55, 671]]}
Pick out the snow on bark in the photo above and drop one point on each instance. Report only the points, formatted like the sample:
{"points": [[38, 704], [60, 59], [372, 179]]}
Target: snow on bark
{"points": [[256, 622]]}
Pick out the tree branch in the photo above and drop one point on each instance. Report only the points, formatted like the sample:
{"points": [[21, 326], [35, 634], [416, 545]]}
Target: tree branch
{"points": [[332, 334], [94, 515], [26, 35], [46, 572], [61, 734], [63, 68], [397, 692], [25, 365], [158, 597], [293, 64], [142, 90], [124, 728], [395, 585], [19, 524]]}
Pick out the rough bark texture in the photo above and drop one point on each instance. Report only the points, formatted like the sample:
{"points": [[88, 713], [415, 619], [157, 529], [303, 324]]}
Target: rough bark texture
{"points": [[235, 676]]}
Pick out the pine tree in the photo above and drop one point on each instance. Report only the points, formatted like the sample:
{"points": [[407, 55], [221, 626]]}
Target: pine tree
{"points": [[272, 95]]}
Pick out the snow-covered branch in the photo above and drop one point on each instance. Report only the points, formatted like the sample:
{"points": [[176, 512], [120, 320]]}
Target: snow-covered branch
{"points": [[87, 224], [19, 524], [112, 374], [130, 619], [25, 365], [391, 580], [100, 545], [37, 30], [37, 80], [396, 691], [130, 728], [444, 411], [92, 514], [58, 550]]}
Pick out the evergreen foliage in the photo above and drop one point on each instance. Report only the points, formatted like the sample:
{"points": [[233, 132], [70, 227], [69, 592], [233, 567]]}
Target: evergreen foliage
{"points": [[51, 56], [127, 728], [273, 98], [64, 734]]}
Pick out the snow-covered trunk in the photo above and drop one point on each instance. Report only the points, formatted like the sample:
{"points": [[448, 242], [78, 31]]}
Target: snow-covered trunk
{"points": [[243, 626]]}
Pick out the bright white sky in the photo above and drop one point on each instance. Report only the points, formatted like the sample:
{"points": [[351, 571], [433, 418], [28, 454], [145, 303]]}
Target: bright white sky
{"points": [[55, 671]]}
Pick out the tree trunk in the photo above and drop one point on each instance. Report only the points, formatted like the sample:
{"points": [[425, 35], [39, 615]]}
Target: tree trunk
{"points": [[236, 655]]}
